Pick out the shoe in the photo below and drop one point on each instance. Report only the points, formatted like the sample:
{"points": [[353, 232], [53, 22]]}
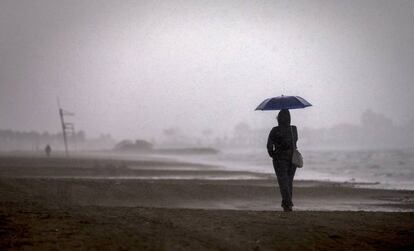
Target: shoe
{"points": [[287, 209]]}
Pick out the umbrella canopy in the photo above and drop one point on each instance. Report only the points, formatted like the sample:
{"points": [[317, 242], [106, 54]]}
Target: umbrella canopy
{"points": [[283, 102]]}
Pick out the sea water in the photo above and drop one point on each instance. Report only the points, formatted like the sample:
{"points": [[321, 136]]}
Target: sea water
{"points": [[390, 169]]}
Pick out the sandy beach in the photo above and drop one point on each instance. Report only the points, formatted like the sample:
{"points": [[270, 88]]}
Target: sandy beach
{"points": [[161, 125], [160, 204]]}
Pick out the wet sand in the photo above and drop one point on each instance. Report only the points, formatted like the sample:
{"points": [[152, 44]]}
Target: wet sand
{"points": [[86, 203]]}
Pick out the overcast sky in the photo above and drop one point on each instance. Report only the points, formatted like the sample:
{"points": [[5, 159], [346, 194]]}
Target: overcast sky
{"points": [[132, 68]]}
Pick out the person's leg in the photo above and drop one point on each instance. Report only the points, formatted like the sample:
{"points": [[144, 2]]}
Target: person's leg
{"points": [[281, 169], [291, 174]]}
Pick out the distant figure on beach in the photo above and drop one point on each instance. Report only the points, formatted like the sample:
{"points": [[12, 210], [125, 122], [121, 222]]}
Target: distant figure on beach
{"points": [[280, 145], [48, 150]]}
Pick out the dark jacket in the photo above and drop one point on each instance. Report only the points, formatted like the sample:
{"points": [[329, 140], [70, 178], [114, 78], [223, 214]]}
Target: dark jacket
{"points": [[279, 143]]}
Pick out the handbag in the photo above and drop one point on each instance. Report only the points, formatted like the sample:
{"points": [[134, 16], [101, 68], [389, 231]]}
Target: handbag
{"points": [[297, 159]]}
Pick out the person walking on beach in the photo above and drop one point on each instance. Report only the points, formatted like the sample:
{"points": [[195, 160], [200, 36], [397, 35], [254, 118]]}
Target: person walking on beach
{"points": [[280, 145], [48, 150]]}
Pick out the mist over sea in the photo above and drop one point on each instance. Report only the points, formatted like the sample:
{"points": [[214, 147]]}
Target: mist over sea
{"points": [[390, 169]]}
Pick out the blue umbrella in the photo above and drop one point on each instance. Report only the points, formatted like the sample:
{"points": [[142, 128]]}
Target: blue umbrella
{"points": [[283, 102]]}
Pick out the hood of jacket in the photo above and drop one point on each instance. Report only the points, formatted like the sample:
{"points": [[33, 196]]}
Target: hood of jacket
{"points": [[283, 118]]}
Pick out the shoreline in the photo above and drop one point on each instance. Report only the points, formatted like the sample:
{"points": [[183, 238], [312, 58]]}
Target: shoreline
{"points": [[142, 168], [177, 184], [176, 163], [254, 195]]}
